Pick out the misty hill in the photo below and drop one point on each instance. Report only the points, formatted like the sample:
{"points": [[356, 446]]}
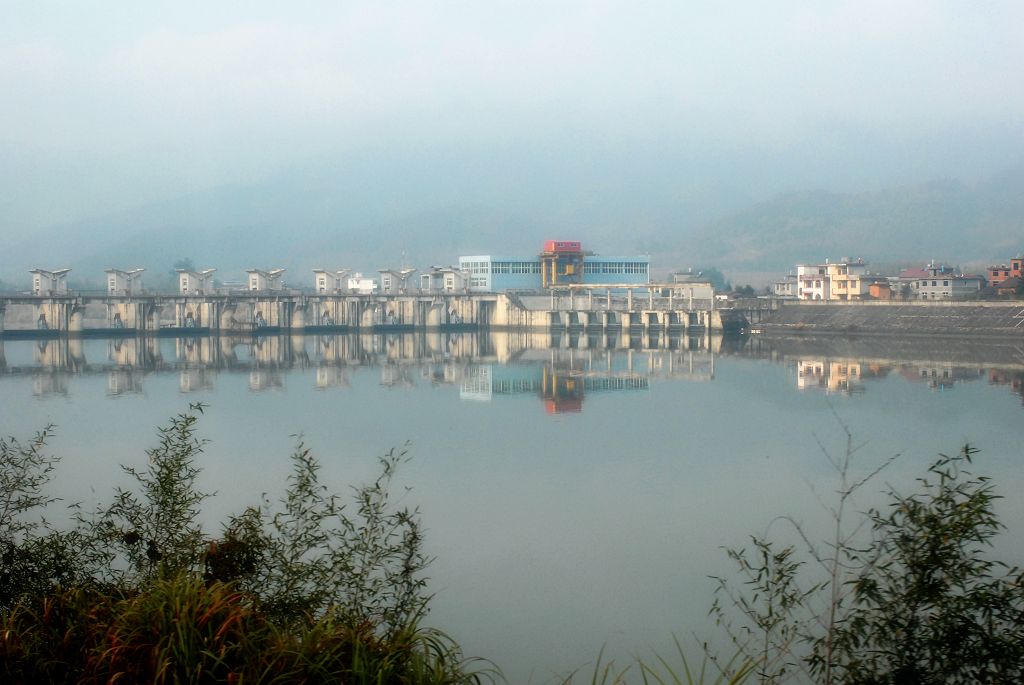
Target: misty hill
{"points": [[382, 209], [379, 211], [945, 220]]}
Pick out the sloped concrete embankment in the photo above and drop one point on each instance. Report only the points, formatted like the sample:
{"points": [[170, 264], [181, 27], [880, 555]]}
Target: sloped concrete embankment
{"points": [[974, 319]]}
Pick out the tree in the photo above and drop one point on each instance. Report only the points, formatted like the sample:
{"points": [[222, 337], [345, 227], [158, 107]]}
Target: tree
{"points": [[929, 606], [183, 263], [916, 601]]}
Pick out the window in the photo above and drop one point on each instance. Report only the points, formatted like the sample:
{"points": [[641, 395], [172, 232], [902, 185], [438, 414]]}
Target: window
{"points": [[386, 281], [945, 283]]}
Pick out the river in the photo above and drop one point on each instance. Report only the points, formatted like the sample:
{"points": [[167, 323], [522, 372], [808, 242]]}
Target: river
{"points": [[575, 491]]}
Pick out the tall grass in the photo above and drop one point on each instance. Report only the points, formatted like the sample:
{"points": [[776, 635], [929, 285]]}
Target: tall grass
{"points": [[182, 630]]}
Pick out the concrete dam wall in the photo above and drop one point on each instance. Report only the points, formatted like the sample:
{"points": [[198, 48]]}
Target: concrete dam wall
{"points": [[970, 319]]}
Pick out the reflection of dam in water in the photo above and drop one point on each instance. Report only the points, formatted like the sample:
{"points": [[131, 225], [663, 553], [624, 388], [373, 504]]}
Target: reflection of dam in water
{"points": [[561, 368], [548, 365]]}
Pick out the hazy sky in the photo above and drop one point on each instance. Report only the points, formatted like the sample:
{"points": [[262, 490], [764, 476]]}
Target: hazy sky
{"points": [[109, 104]]}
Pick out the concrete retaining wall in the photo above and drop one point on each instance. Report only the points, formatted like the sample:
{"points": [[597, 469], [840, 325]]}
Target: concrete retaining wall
{"points": [[904, 318]]}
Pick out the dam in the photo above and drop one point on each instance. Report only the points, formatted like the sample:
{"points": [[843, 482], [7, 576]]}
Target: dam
{"points": [[651, 307]]}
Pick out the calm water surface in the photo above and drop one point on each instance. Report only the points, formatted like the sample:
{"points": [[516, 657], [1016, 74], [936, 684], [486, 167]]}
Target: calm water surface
{"points": [[576, 491]]}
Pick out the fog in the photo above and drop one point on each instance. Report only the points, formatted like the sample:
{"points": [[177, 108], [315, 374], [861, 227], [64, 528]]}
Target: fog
{"points": [[435, 127]]}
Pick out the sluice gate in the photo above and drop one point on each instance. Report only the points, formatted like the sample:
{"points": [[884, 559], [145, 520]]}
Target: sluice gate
{"points": [[632, 308]]}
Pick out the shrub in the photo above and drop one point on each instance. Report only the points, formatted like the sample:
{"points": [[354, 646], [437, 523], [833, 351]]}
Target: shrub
{"points": [[917, 602], [304, 590]]}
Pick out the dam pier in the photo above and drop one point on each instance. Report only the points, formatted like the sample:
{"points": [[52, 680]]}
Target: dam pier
{"points": [[639, 308]]}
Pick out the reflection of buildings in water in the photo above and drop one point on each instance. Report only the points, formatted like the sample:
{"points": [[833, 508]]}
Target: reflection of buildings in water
{"points": [[297, 349], [331, 377], [475, 383], [842, 376], [51, 354], [126, 352], [939, 376], [849, 375], [268, 350], [197, 350], [447, 373], [1013, 379], [562, 391], [123, 381], [265, 379], [53, 383], [195, 379], [395, 375], [561, 386]]}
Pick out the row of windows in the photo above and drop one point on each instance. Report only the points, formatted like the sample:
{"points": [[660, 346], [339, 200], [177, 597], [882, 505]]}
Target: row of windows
{"points": [[474, 267], [615, 267], [533, 267], [515, 267]]}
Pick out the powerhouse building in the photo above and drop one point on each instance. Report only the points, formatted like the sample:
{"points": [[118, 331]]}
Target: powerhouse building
{"points": [[561, 263]]}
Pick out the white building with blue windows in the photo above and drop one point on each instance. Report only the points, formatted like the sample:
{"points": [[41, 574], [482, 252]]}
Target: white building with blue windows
{"points": [[489, 273]]}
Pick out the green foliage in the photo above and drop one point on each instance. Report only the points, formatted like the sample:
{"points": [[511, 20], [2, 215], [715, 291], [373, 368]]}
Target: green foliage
{"points": [[918, 601], [305, 591], [931, 607], [311, 553], [771, 622], [154, 529], [32, 557]]}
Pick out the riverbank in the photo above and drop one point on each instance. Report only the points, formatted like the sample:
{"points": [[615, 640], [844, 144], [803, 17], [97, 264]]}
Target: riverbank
{"points": [[1004, 319]]}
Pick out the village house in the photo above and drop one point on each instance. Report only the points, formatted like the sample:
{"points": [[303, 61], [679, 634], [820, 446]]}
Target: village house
{"points": [[1000, 272], [941, 282], [880, 290], [842, 280], [786, 288]]}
